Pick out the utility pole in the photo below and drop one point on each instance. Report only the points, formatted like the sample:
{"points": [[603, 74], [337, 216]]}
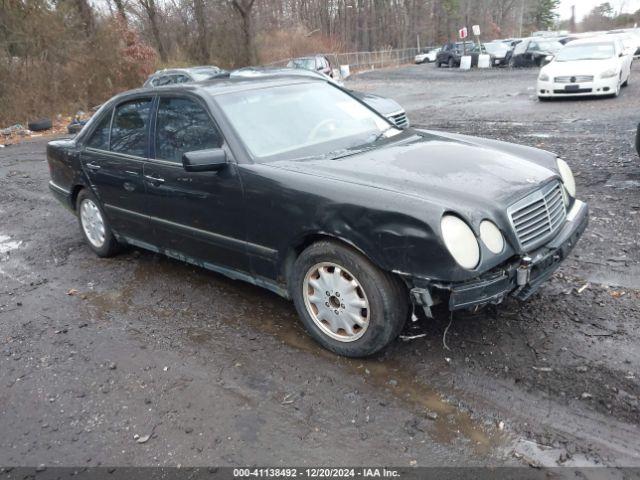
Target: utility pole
{"points": [[572, 24], [521, 20]]}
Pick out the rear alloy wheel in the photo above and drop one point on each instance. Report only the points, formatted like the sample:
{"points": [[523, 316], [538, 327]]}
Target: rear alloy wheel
{"points": [[346, 303], [94, 226]]}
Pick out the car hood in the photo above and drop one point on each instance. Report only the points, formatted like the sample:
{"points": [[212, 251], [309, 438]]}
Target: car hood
{"points": [[445, 169], [582, 67], [382, 105]]}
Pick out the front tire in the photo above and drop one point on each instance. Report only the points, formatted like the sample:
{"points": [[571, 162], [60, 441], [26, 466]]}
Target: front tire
{"points": [[94, 225], [346, 303], [451, 63], [618, 88]]}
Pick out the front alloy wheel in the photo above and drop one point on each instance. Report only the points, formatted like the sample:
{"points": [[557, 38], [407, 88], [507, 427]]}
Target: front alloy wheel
{"points": [[336, 302], [346, 303]]}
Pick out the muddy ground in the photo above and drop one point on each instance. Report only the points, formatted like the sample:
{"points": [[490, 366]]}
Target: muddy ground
{"points": [[143, 360]]}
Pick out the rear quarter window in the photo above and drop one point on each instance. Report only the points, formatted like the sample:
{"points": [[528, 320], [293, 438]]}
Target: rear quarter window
{"points": [[100, 137]]}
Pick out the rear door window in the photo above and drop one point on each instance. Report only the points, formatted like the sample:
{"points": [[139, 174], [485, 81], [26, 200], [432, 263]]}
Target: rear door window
{"points": [[183, 125], [129, 130]]}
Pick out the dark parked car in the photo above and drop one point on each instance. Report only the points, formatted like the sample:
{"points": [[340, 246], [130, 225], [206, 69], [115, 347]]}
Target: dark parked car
{"points": [[172, 76], [451, 54], [389, 108], [499, 52], [532, 52], [317, 63], [325, 203]]}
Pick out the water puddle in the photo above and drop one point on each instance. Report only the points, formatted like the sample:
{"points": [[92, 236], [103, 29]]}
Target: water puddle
{"points": [[627, 278], [623, 182], [7, 245], [544, 456], [256, 311]]}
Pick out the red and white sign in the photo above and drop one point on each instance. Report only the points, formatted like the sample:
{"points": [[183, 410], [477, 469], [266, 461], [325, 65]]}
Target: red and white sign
{"points": [[463, 32]]}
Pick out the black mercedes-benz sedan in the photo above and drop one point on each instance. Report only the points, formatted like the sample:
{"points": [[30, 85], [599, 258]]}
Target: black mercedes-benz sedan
{"points": [[295, 185]]}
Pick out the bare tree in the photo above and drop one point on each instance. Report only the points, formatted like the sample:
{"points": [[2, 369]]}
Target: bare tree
{"points": [[244, 7], [120, 7], [203, 31], [151, 11]]}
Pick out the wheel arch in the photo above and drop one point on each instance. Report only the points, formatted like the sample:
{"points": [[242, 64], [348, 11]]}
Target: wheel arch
{"points": [[75, 191], [302, 242]]}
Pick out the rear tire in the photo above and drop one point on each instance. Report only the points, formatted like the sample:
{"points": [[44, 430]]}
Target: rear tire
{"points": [[328, 274], [94, 225]]}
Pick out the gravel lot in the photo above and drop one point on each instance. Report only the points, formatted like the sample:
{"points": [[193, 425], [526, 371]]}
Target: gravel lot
{"points": [[143, 360]]}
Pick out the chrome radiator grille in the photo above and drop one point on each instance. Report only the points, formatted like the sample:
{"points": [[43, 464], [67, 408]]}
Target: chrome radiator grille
{"points": [[400, 120], [575, 79], [537, 217]]}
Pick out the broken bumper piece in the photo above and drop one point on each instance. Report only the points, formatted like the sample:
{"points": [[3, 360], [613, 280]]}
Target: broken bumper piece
{"points": [[520, 278]]}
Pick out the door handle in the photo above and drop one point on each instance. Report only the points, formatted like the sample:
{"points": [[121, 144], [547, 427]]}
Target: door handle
{"points": [[93, 166], [154, 180]]}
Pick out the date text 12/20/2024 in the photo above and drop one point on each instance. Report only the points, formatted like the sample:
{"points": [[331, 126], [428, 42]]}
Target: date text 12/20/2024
{"points": [[316, 473]]}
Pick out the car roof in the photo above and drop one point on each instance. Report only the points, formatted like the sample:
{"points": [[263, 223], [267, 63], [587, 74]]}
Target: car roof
{"points": [[592, 40], [308, 57], [195, 69], [222, 86]]}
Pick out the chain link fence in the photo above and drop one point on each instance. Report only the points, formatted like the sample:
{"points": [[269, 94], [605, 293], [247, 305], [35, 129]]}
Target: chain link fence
{"points": [[358, 61]]}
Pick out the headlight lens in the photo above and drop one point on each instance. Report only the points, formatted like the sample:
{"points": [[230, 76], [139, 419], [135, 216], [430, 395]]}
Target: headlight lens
{"points": [[609, 73], [460, 241], [543, 77], [492, 237], [567, 177]]}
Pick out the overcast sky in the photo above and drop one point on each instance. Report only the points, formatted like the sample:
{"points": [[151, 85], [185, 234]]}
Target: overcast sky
{"points": [[585, 6]]}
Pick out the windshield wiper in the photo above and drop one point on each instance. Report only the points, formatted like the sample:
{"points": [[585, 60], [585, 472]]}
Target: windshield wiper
{"points": [[381, 134]]}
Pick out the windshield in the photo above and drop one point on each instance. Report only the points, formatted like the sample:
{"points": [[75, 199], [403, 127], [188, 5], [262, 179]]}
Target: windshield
{"points": [[496, 48], [590, 51], [550, 46], [306, 63], [308, 119]]}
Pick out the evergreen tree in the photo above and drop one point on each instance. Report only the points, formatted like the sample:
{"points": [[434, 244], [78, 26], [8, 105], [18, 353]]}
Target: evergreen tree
{"points": [[542, 14]]}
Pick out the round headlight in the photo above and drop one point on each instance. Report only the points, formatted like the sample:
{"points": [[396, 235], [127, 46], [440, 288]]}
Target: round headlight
{"points": [[460, 241], [491, 236], [567, 177]]}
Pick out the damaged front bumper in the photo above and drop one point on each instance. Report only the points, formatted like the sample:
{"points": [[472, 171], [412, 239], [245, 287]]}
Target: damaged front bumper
{"points": [[520, 278]]}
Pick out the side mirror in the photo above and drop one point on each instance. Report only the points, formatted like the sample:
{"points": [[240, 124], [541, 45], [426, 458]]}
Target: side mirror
{"points": [[210, 160]]}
